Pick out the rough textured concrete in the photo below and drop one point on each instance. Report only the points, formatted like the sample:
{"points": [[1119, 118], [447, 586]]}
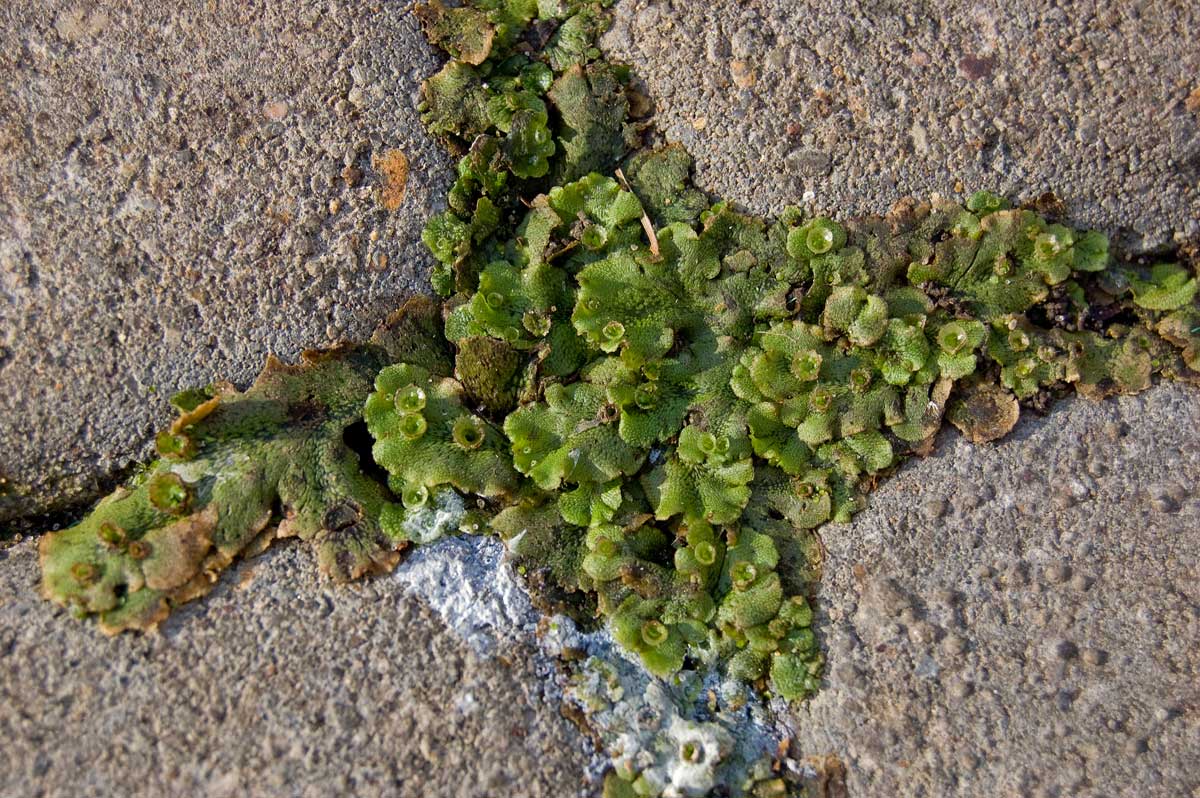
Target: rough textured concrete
{"points": [[1023, 618], [993, 628], [273, 685], [184, 188], [861, 103]]}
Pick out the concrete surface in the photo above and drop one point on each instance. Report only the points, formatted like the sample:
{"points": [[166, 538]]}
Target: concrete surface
{"points": [[1020, 619], [166, 177], [1023, 619], [185, 187], [273, 685], [856, 104]]}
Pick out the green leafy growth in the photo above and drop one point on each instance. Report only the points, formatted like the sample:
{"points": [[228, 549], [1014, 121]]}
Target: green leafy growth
{"points": [[1169, 286], [523, 116], [572, 436], [1182, 329], [425, 437], [237, 470], [622, 557], [593, 107], [490, 372], [549, 554], [768, 632], [482, 173], [661, 179], [957, 343], [598, 214], [528, 143], [700, 389], [454, 102], [653, 400], [707, 478], [574, 40], [634, 304], [512, 304], [463, 31], [591, 503]]}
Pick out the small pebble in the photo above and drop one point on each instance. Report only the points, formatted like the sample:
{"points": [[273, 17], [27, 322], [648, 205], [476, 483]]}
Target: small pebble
{"points": [[1058, 573], [276, 111], [850, 676], [960, 689], [946, 597], [954, 644], [1135, 746], [809, 162], [1094, 656], [1062, 500], [922, 633], [927, 668], [934, 509], [716, 47], [1064, 649], [885, 595], [743, 74], [1015, 576], [1164, 504]]}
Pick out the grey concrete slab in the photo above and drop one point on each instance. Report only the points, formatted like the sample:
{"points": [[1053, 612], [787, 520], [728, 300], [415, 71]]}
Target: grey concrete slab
{"points": [[273, 685], [185, 187], [1023, 618], [857, 104]]}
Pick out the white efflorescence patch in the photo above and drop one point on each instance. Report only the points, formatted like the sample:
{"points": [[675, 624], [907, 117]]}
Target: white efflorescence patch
{"points": [[683, 736], [440, 516], [467, 582]]}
